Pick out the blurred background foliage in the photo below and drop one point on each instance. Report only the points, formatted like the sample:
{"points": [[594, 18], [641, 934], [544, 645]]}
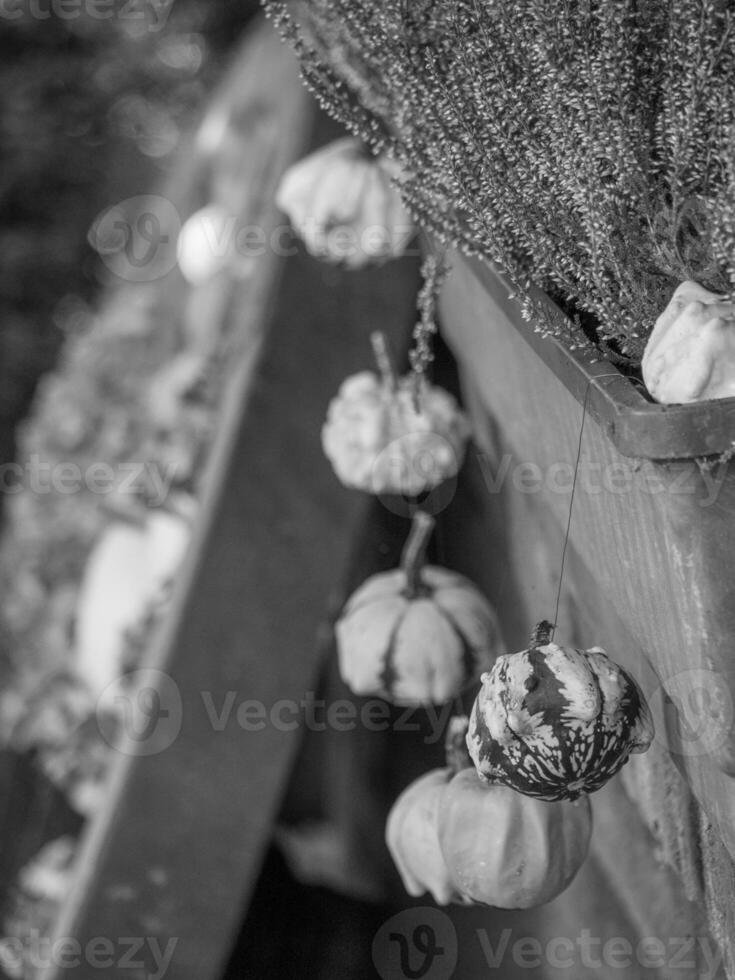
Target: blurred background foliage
{"points": [[91, 111]]}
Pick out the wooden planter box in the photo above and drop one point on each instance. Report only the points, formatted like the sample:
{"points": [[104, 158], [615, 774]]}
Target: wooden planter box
{"points": [[650, 572]]}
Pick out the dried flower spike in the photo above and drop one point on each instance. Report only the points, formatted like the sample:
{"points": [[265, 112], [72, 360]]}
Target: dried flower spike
{"points": [[433, 273]]}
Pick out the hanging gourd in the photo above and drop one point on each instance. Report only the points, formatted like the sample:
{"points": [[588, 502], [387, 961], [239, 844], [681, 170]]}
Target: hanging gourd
{"points": [[413, 842], [386, 435], [341, 201], [419, 634], [690, 355], [455, 744], [508, 850], [452, 834], [412, 828], [554, 722]]}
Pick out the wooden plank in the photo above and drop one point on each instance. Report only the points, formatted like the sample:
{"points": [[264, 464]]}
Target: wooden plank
{"points": [[174, 855]]}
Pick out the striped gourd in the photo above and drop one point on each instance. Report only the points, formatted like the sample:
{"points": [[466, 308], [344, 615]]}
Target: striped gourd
{"points": [[555, 722], [419, 634]]}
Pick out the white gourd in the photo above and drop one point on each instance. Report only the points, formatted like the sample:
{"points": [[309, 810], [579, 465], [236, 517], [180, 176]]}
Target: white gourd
{"points": [[205, 244], [690, 355], [419, 634], [127, 567], [412, 838], [344, 206], [381, 437]]}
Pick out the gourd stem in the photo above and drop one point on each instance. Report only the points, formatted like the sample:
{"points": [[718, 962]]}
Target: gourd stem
{"points": [[455, 744], [542, 634], [363, 151], [414, 551], [383, 360]]}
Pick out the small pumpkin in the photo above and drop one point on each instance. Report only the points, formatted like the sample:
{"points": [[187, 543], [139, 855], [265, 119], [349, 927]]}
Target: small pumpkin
{"points": [[411, 836], [204, 245], [554, 722], [508, 850], [385, 436], [690, 355], [343, 204], [127, 568], [419, 634]]}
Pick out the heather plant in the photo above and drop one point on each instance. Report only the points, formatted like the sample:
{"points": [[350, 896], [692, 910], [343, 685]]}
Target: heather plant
{"points": [[586, 146]]}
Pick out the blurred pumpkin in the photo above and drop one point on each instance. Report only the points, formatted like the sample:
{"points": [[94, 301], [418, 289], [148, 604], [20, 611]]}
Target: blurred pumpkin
{"points": [[342, 203], [508, 850], [384, 435], [205, 243], [555, 722], [126, 569], [419, 634], [411, 836]]}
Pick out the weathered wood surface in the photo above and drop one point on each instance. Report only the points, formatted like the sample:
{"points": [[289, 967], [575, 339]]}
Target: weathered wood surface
{"points": [[175, 853], [656, 539], [511, 545], [647, 576]]}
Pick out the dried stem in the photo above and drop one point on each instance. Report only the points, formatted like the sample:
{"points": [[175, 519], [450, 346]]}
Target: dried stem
{"points": [[414, 552], [542, 634], [384, 360]]}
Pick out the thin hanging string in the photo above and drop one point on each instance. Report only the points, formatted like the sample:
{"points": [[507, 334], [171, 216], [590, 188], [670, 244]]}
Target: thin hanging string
{"points": [[585, 400]]}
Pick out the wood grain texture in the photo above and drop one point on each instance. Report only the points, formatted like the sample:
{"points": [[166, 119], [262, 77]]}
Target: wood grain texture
{"points": [[633, 884], [647, 577], [654, 541]]}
